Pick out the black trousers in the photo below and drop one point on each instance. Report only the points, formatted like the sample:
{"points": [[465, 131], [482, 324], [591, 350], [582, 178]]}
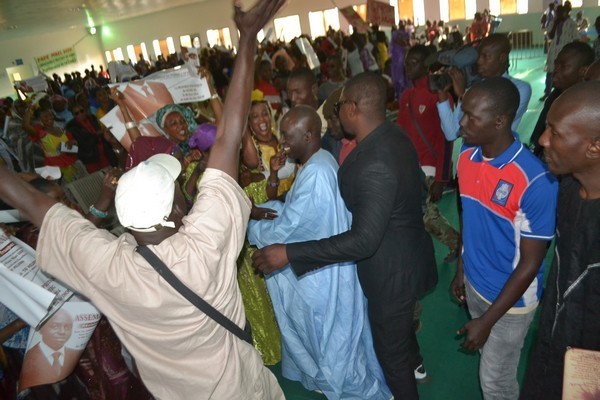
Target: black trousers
{"points": [[396, 345]]}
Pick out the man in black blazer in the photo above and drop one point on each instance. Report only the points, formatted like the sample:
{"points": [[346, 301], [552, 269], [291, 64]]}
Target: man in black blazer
{"points": [[382, 186]]}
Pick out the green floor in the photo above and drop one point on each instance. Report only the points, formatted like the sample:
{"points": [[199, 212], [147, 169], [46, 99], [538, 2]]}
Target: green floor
{"points": [[453, 372]]}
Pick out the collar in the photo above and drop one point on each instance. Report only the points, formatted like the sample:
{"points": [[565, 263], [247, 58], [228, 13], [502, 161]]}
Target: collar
{"points": [[421, 82], [503, 159], [385, 125], [48, 351]]}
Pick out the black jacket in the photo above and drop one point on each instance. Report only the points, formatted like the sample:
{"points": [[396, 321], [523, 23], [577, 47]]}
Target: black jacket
{"points": [[381, 183]]}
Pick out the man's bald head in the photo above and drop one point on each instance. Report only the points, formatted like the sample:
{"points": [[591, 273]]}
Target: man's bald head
{"points": [[572, 140], [301, 133], [307, 117], [582, 102]]}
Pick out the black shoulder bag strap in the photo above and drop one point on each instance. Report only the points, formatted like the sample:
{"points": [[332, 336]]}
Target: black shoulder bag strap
{"points": [[423, 137], [192, 297]]}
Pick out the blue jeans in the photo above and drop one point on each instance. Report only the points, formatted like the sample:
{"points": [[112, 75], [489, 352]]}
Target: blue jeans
{"points": [[501, 352]]}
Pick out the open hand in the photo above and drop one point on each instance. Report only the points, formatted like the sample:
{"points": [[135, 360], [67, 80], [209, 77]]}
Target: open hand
{"points": [[251, 21]]}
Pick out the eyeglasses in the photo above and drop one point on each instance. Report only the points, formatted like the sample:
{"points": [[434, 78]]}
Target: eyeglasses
{"points": [[338, 105]]}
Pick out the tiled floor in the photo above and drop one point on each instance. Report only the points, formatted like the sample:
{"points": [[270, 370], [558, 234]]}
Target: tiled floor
{"points": [[454, 372]]}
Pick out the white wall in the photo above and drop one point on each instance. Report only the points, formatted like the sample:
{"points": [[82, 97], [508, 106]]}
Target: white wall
{"points": [[87, 48], [200, 17]]}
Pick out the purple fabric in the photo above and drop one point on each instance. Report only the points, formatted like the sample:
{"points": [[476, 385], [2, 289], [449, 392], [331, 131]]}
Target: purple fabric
{"points": [[397, 54], [203, 137]]}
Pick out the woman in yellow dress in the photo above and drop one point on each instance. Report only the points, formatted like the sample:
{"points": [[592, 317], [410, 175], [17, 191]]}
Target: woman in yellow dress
{"points": [[266, 174]]}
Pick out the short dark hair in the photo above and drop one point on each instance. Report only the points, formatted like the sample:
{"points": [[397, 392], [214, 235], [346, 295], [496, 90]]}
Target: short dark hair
{"points": [[497, 39], [502, 93], [585, 54], [369, 91], [420, 50], [304, 74]]}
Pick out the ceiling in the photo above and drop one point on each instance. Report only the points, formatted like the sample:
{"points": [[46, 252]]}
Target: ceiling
{"points": [[33, 17]]}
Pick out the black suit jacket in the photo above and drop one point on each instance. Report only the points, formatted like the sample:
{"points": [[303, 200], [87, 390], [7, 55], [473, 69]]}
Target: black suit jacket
{"points": [[382, 185]]}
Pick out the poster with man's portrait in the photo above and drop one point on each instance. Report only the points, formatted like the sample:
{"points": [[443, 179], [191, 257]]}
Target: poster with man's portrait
{"points": [[54, 350]]}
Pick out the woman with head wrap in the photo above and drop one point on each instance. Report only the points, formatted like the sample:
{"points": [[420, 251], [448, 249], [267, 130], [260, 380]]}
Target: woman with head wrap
{"points": [[266, 171], [176, 121]]}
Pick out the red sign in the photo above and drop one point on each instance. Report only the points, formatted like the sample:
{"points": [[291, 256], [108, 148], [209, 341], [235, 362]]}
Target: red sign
{"points": [[354, 19], [379, 13]]}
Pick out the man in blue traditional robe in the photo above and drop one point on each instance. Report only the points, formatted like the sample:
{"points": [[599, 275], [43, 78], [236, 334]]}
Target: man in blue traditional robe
{"points": [[326, 337]]}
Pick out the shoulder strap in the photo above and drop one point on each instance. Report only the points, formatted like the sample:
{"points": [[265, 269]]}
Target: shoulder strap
{"points": [[423, 137], [192, 297]]}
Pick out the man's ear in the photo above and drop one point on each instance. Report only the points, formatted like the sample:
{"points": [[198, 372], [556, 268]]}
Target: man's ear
{"points": [[502, 121], [315, 89], [593, 150], [503, 58], [582, 71]]}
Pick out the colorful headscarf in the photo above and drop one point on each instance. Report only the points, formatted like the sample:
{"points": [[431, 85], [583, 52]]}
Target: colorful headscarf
{"points": [[188, 115]]}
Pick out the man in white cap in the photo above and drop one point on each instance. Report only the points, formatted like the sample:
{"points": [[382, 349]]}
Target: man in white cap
{"points": [[180, 352]]}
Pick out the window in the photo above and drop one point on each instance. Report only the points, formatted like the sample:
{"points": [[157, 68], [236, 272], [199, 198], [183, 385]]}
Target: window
{"points": [[508, 7], [108, 56], [144, 51], [118, 54], [444, 10], [522, 6], [219, 37], [287, 28], [456, 10], [320, 21], [470, 8], [170, 45], [495, 7], [156, 47], [131, 54], [394, 3], [579, 3], [406, 9], [419, 12], [185, 41]]}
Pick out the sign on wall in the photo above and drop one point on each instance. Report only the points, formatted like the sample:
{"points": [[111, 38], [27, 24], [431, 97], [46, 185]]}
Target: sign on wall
{"points": [[379, 13], [56, 59]]}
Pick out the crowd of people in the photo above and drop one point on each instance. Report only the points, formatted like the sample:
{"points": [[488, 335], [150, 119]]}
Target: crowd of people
{"points": [[325, 181]]}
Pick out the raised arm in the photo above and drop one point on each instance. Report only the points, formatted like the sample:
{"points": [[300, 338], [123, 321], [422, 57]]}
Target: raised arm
{"points": [[31, 203], [225, 151], [130, 125]]}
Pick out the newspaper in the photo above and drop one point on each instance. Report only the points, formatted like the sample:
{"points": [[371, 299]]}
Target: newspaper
{"points": [[27, 291], [581, 379], [307, 49], [63, 321]]}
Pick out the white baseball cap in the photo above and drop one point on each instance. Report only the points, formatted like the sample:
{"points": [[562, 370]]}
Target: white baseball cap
{"points": [[144, 197]]}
